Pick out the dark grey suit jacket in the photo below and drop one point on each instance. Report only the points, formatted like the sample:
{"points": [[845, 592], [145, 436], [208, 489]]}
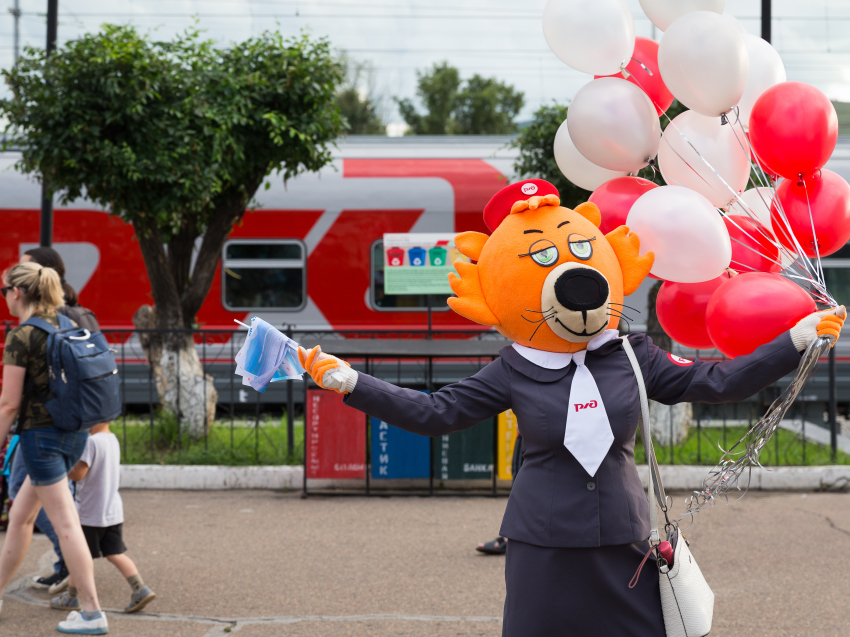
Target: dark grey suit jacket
{"points": [[554, 501]]}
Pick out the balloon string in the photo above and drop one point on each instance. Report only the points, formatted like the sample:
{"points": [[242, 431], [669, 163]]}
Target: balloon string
{"points": [[814, 235], [816, 278], [813, 277]]}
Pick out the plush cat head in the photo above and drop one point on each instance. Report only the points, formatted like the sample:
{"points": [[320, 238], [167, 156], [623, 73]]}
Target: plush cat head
{"points": [[546, 278]]}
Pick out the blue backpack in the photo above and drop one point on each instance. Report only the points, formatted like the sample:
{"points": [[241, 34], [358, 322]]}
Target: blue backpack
{"points": [[84, 386]]}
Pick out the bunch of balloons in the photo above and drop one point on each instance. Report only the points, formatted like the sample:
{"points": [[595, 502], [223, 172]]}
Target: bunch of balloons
{"points": [[739, 266]]}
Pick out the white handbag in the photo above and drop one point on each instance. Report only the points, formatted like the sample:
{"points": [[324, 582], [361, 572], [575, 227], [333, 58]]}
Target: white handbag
{"points": [[686, 599]]}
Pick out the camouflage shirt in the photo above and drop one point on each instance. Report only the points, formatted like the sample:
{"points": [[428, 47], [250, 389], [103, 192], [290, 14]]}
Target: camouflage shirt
{"points": [[26, 346]]}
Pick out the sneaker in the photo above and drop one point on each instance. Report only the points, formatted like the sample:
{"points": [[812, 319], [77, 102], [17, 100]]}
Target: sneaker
{"points": [[139, 600], [76, 624], [65, 602], [51, 580], [60, 586]]}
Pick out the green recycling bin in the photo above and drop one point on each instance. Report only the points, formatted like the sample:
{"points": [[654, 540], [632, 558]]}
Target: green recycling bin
{"points": [[465, 455], [437, 254]]}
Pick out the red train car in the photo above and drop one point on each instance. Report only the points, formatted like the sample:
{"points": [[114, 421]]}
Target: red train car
{"points": [[307, 256]]}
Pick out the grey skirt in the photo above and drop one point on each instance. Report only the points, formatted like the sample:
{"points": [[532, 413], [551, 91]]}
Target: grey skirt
{"points": [[580, 592]]}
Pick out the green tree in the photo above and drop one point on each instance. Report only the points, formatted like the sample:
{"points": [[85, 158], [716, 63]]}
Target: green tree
{"points": [[174, 138], [536, 159], [438, 90], [357, 103], [482, 106], [486, 106]]}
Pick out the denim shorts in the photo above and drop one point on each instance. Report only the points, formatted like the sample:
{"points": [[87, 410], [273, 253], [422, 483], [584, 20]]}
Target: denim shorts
{"points": [[51, 453]]}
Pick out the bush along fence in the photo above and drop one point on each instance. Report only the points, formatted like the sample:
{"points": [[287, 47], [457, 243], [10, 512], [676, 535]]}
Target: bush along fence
{"points": [[294, 422]]}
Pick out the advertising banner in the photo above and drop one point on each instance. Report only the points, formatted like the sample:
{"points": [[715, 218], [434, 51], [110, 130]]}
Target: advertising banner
{"points": [[419, 263], [397, 453], [465, 455], [507, 433], [336, 437]]}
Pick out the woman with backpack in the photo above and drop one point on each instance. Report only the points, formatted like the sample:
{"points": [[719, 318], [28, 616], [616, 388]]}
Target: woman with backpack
{"points": [[31, 290], [17, 472]]}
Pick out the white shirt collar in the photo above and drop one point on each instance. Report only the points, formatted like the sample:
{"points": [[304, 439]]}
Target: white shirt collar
{"points": [[559, 360]]}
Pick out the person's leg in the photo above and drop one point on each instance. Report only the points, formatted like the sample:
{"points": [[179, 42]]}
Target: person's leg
{"points": [[112, 545], [18, 533], [60, 508], [124, 564], [17, 473], [43, 523]]}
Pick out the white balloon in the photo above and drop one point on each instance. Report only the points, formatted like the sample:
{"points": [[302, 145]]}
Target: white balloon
{"points": [[766, 70], [663, 12], [592, 36], [614, 124], [734, 22], [576, 167], [718, 144], [756, 202], [686, 233], [703, 61]]}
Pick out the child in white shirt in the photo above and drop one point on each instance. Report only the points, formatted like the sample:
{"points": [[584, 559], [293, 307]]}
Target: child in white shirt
{"points": [[102, 516]]}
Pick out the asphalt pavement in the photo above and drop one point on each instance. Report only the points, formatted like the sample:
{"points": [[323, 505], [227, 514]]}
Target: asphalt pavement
{"points": [[262, 563]]}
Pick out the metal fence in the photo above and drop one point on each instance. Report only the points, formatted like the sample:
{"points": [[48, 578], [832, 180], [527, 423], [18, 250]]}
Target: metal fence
{"points": [[254, 428]]}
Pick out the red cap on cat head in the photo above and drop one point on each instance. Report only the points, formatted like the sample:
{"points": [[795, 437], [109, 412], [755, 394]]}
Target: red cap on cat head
{"points": [[499, 206]]}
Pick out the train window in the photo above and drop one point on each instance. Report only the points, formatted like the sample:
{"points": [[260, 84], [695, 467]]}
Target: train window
{"points": [[397, 302], [262, 274]]}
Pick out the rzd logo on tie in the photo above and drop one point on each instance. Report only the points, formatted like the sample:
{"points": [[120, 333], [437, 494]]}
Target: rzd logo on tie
{"points": [[590, 405]]}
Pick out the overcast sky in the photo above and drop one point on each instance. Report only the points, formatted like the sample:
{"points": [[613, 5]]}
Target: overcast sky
{"points": [[501, 38]]}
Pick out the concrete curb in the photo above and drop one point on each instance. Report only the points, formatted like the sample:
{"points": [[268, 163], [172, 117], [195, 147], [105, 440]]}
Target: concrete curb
{"points": [[209, 477], [675, 478]]}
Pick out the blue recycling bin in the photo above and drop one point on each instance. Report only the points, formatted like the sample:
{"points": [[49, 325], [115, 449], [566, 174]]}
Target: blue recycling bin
{"points": [[397, 453], [416, 256]]}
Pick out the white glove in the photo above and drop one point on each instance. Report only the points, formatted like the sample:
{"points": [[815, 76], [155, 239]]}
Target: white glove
{"points": [[826, 323], [328, 372]]}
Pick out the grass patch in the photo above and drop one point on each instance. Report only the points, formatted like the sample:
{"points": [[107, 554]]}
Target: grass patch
{"points": [[703, 447], [244, 443], [247, 443]]}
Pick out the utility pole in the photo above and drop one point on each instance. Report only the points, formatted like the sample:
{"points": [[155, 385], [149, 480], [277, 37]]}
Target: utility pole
{"points": [[16, 12], [46, 227], [765, 19]]}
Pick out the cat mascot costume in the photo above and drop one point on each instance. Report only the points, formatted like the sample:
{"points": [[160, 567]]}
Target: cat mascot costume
{"points": [[577, 518]]}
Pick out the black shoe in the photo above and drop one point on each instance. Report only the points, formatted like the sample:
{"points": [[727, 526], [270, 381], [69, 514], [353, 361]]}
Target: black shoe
{"points": [[496, 547], [51, 580]]}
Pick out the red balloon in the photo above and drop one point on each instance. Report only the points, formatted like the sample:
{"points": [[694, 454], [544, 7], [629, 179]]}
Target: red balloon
{"points": [[753, 246], [793, 128], [753, 309], [616, 197], [829, 198], [681, 311], [646, 51]]}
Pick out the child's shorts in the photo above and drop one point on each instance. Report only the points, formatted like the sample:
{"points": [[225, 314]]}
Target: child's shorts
{"points": [[104, 541]]}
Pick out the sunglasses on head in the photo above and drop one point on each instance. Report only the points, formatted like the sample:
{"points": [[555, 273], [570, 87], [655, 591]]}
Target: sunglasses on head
{"points": [[6, 289]]}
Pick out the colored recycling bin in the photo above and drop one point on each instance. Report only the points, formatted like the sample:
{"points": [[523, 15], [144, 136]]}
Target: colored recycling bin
{"points": [[395, 256], [416, 256], [397, 453], [465, 455], [437, 254]]}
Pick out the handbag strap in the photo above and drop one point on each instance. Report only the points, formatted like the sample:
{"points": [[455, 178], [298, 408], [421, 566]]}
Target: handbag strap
{"points": [[655, 492]]}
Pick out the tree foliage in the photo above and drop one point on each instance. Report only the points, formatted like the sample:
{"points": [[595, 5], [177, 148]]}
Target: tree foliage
{"points": [[357, 102], [536, 143], [173, 137], [482, 106]]}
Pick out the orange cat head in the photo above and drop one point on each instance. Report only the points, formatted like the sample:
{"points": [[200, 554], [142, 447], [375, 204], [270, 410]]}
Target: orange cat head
{"points": [[547, 278]]}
